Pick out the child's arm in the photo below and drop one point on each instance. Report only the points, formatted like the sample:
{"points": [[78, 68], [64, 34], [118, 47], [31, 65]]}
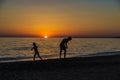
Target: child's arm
{"points": [[32, 48]]}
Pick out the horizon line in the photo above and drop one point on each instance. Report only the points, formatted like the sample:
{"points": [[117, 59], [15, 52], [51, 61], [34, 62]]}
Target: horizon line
{"points": [[59, 37]]}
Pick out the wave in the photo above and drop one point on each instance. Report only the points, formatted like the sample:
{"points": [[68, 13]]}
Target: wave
{"points": [[19, 48], [101, 54]]}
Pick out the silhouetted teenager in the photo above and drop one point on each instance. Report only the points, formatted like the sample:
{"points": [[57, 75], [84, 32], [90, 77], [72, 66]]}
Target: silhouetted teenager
{"points": [[36, 51], [63, 46]]}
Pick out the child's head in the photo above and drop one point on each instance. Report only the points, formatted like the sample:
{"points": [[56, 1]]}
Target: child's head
{"points": [[34, 43]]}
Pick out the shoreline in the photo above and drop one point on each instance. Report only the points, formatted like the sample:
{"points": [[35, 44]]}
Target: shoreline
{"points": [[76, 61], [30, 58]]}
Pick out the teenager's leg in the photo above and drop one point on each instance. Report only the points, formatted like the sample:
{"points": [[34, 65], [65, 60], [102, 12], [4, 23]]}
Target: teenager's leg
{"points": [[64, 53], [60, 53]]}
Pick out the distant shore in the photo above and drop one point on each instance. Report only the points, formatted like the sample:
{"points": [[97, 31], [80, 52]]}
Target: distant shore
{"points": [[83, 68]]}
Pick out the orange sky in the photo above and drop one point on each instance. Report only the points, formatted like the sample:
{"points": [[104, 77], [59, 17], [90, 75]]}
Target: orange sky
{"points": [[59, 18]]}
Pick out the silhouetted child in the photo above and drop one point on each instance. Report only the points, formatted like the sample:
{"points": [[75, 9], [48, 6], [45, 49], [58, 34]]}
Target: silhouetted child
{"points": [[63, 46], [36, 51]]}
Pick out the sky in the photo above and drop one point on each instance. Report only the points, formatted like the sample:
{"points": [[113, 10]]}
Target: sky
{"points": [[54, 18]]}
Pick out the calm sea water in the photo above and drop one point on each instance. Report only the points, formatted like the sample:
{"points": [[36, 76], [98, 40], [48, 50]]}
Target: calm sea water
{"points": [[19, 49]]}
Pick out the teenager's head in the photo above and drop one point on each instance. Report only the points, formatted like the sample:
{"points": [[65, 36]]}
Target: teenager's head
{"points": [[69, 38]]}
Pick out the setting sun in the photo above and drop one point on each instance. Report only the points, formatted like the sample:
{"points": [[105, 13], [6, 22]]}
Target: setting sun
{"points": [[46, 37]]}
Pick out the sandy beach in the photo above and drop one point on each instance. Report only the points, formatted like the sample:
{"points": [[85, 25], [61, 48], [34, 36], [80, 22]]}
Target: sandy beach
{"points": [[83, 68]]}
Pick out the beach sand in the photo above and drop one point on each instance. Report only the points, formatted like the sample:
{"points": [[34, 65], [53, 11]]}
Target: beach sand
{"points": [[83, 68]]}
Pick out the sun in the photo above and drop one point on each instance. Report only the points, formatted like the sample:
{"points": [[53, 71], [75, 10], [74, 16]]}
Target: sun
{"points": [[46, 37]]}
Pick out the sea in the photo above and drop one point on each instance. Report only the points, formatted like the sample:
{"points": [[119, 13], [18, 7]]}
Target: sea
{"points": [[19, 49]]}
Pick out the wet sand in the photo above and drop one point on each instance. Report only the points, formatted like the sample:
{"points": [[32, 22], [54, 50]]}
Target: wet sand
{"points": [[83, 68]]}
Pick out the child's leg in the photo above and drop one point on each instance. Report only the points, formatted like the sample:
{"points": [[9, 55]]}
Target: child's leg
{"points": [[39, 56], [34, 57]]}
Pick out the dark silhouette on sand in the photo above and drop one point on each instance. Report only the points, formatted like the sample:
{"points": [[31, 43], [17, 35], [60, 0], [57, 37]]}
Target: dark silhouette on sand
{"points": [[36, 51], [63, 46]]}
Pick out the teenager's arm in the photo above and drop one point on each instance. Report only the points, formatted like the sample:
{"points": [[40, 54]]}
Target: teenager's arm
{"points": [[66, 45]]}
